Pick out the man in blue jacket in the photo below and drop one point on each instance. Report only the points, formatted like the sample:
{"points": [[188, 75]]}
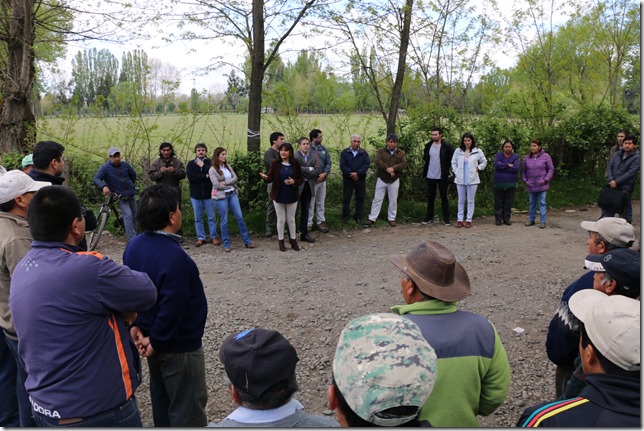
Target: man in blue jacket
{"points": [[169, 334], [70, 309], [117, 176], [354, 164]]}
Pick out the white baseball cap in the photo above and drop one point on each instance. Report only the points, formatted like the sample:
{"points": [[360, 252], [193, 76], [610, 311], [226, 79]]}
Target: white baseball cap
{"points": [[612, 323], [16, 183]]}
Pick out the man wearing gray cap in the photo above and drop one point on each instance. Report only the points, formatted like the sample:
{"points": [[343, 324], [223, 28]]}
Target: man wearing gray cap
{"points": [[562, 340], [16, 190], [260, 365], [610, 355], [383, 372], [473, 369], [117, 176]]}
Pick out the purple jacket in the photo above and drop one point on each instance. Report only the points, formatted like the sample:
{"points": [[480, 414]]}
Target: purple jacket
{"points": [[504, 173], [537, 169]]}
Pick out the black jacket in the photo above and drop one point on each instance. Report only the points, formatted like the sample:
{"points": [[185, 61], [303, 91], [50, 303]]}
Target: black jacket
{"points": [[445, 157], [200, 184], [607, 401]]}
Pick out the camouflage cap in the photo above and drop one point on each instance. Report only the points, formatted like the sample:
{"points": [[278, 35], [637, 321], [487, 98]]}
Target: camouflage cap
{"points": [[383, 361]]}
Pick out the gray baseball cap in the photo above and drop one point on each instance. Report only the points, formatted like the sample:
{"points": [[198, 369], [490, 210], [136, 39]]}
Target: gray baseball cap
{"points": [[616, 231], [383, 361]]}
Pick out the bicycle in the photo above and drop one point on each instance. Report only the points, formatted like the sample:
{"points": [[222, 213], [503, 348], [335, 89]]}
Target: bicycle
{"points": [[109, 206]]}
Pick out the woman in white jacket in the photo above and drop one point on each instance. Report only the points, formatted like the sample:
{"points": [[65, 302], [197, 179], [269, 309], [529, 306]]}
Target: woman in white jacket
{"points": [[467, 161]]}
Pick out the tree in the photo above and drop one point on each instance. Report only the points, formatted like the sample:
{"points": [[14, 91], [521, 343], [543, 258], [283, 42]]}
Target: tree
{"points": [[257, 25], [385, 29], [27, 27], [236, 90], [94, 73]]}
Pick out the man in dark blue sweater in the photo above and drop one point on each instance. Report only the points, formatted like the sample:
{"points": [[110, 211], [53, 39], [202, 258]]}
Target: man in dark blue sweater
{"points": [[170, 333]]}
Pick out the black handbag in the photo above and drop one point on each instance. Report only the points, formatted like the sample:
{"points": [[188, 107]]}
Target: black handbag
{"points": [[612, 200]]}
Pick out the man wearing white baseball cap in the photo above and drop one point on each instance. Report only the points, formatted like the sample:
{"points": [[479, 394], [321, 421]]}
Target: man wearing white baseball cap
{"points": [[610, 355], [16, 191]]}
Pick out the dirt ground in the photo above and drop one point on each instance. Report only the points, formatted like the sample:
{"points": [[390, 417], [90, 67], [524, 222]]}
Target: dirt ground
{"points": [[517, 273]]}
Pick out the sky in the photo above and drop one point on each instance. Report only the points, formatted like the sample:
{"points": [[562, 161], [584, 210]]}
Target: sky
{"points": [[192, 56]]}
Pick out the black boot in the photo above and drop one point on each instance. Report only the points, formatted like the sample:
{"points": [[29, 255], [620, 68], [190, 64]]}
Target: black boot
{"points": [[282, 246], [294, 245]]}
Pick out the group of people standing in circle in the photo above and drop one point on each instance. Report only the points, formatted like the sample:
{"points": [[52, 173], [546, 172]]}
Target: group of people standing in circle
{"points": [[294, 179], [467, 160]]}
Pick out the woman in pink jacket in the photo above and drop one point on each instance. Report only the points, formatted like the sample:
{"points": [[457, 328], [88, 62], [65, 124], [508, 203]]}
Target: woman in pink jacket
{"points": [[537, 171]]}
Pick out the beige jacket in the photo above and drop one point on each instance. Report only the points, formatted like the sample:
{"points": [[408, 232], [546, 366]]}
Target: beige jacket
{"points": [[219, 183], [15, 242]]}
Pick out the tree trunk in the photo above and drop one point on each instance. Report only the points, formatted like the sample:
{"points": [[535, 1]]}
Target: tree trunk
{"points": [[17, 121], [402, 65], [256, 78]]}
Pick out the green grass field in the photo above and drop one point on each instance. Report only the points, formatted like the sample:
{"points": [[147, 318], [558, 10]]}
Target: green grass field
{"points": [[138, 137]]}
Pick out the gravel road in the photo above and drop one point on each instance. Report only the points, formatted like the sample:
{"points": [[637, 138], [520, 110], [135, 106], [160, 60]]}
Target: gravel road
{"points": [[517, 273]]}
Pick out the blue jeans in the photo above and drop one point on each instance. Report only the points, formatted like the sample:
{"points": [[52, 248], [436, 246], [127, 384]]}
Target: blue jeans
{"points": [[24, 406], [223, 205], [198, 207], [538, 198], [178, 389], [128, 212], [125, 415], [9, 414]]}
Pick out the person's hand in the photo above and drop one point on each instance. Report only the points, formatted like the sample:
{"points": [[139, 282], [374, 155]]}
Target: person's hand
{"points": [[321, 177], [613, 184], [263, 175], [354, 176], [146, 350], [163, 169], [138, 338], [289, 181], [170, 169], [510, 165], [106, 190]]}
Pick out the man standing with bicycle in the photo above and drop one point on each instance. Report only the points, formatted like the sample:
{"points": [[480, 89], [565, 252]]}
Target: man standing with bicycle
{"points": [[117, 176]]}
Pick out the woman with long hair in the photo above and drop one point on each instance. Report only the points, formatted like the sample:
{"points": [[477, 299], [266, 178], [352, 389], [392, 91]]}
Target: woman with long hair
{"points": [[286, 175], [506, 167], [467, 161], [536, 173], [224, 193]]}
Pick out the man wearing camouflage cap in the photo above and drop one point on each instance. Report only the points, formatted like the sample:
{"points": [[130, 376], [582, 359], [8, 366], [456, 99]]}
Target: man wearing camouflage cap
{"points": [[473, 369], [562, 339], [610, 354], [383, 372], [260, 364]]}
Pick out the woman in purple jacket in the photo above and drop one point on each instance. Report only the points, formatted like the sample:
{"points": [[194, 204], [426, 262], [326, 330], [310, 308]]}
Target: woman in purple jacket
{"points": [[506, 168], [537, 172]]}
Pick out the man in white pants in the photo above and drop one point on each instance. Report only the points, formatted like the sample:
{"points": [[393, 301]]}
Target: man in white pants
{"points": [[390, 162], [323, 162]]}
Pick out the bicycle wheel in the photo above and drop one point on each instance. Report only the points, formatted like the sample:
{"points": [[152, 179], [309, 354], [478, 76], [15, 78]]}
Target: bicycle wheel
{"points": [[95, 237]]}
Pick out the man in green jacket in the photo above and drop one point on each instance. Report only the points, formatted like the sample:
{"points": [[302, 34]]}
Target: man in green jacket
{"points": [[473, 369]]}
